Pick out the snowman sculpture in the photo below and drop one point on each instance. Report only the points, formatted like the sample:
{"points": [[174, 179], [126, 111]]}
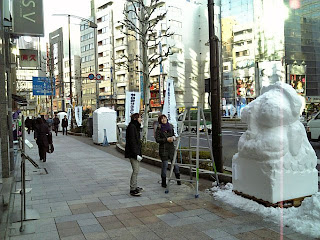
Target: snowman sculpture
{"points": [[275, 161]]}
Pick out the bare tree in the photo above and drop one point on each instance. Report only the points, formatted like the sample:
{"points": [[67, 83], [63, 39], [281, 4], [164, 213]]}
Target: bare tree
{"points": [[141, 23]]}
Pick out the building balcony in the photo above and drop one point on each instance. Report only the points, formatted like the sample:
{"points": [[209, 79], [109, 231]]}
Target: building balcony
{"points": [[120, 60], [121, 96], [121, 84], [120, 47], [121, 72], [119, 35]]}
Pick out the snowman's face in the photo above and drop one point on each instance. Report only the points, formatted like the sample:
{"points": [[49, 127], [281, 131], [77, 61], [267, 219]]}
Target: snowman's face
{"points": [[274, 110]]}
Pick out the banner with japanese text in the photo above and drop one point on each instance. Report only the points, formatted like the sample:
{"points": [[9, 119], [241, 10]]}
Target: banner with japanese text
{"points": [[69, 116], [132, 105], [78, 115], [170, 105]]}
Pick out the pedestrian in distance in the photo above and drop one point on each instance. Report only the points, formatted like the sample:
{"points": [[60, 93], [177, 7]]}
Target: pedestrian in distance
{"points": [[133, 151], [28, 124], [49, 122], [34, 123], [64, 125], [56, 122], [41, 136], [165, 137]]}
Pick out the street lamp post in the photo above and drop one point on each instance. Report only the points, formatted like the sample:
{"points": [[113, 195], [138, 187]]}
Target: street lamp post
{"points": [[70, 74]]}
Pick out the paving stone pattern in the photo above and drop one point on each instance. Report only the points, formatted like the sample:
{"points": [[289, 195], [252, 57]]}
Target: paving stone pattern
{"points": [[86, 196]]}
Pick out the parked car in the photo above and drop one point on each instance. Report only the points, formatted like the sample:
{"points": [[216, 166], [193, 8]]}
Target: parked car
{"points": [[193, 124], [153, 117], [313, 128]]}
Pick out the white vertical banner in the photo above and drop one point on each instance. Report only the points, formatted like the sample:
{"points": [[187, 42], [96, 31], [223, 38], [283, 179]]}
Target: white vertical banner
{"points": [[170, 105], [132, 104], [78, 115], [69, 116]]}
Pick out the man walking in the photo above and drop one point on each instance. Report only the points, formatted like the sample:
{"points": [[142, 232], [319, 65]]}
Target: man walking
{"points": [[64, 125], [56, 123]]}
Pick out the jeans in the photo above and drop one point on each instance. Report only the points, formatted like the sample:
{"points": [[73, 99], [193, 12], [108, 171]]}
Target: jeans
{"points": [[64, 129], [56, 129], [135, 170], [165, 167]]}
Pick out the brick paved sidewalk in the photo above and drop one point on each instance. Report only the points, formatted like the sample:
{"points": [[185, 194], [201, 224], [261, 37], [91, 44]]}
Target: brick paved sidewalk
{"points": [[86, 196]]}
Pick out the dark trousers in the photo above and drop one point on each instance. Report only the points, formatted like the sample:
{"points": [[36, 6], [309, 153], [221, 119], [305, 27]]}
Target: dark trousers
{"points": [[56, 129], [42, 152], [64, 129], [164, 168]]}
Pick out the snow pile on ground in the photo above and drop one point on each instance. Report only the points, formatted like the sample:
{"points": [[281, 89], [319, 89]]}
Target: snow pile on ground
{"points": [[304, 219]]}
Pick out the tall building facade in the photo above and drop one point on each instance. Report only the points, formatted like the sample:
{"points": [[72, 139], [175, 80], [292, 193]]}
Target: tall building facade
{"points": [[87, 87], [188, 66], [281, 45], [61, 73], [302, 48], [238, 76]]}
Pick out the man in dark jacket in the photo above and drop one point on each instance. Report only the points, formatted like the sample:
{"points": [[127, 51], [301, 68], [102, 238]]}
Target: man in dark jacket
{"points": [[28, 124], [133, 151], [56, 122], [41, 136], [64, 125]]}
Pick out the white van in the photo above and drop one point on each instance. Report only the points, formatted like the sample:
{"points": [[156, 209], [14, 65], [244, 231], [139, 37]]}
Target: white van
{"points": [[313, 128]]}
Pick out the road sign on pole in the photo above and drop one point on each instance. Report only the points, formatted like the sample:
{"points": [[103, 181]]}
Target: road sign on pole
{"points": [[42, 86], [91, 76], [98, 76]]}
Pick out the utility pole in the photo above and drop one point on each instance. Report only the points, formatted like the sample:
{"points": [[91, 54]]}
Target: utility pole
{"points": [[215, 91], [70, 74], [3, 103], [51, 76], [93, 13]]}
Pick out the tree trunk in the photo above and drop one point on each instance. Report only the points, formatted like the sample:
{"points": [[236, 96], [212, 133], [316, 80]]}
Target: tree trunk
{"points": [[146, 81]]}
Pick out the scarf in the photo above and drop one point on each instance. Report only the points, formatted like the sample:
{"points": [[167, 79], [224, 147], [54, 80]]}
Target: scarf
{"points": [[166, 127]]}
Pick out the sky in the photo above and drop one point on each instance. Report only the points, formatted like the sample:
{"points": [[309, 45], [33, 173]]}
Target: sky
{"points": [[79, 8]]}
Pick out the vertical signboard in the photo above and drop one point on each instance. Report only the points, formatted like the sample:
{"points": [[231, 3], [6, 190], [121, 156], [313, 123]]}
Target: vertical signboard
{"points": [[170, 106], [28, 17], [78, 115], [132, 104]]}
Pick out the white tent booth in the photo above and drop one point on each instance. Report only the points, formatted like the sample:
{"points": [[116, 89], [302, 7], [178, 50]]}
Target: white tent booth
{"points": [[104, 119], [61, 115]]}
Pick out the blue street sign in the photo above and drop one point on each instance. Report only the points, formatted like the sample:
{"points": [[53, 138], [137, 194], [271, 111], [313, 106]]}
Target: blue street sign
{"points": [[91, 76], [42, 86]]}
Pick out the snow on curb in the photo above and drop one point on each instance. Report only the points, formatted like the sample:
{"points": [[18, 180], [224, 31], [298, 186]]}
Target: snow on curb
{"points": [[304, 219]]}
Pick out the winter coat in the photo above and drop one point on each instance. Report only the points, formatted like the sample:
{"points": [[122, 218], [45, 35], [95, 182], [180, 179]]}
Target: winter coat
{"points": [[41, 134], [166, 149], [64, 123], [28, 123], [133, 142], [34, 123], [56, 121]]}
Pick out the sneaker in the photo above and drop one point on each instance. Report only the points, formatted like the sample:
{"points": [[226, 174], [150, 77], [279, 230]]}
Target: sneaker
{"points": [[139, 189], [135, 193]]}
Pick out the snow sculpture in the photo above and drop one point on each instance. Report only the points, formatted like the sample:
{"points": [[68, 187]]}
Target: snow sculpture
{"points": [[275, 161]]}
